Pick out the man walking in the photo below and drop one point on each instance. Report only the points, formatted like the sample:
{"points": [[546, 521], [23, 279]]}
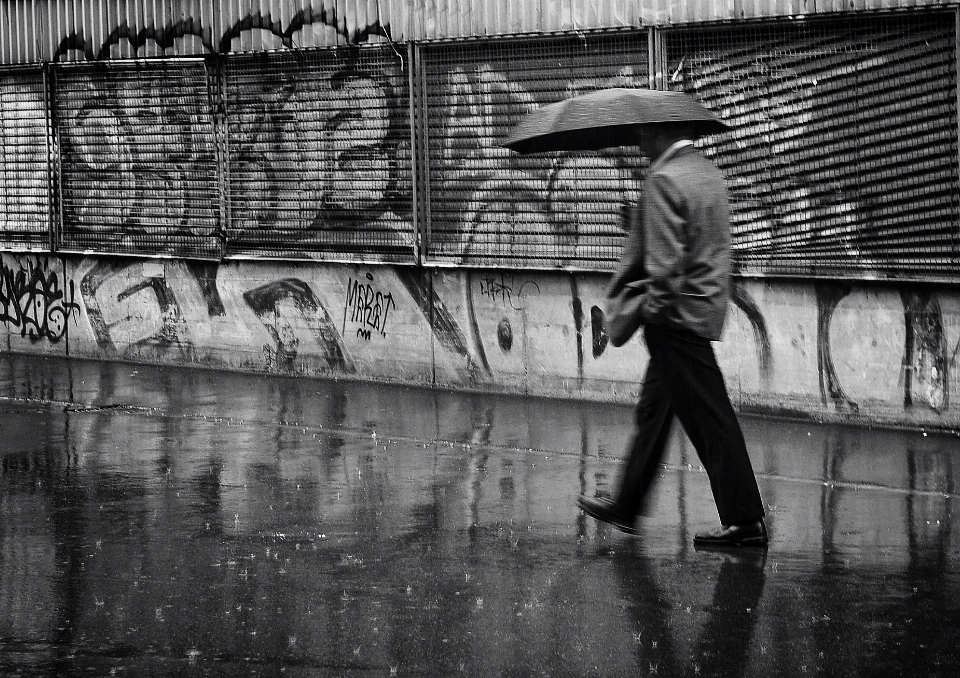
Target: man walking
{"points": [[679, 265]]}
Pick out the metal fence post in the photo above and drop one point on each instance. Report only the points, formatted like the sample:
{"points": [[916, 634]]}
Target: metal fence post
{"points": [[419, 153], [657, 55], [218, 108]]}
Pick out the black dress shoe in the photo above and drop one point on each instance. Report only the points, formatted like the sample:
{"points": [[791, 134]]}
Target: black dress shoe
{"points": [[605, 511], [745, 534]]}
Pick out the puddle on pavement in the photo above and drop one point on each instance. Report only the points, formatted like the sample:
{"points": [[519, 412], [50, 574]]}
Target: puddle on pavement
{"points": [[217, 526]]}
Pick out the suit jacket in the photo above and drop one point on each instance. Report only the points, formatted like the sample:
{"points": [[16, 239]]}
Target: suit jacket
{"points": [[675, 267]]}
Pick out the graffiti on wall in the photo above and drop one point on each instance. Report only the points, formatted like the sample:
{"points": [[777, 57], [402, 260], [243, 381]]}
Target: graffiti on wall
{"points": [[135, 161], [507, 288], [310, 26], [343, 125], [367, 307], [487, 326], [796, 205], [925, 364], [494, 206], [282, 303], [34, 301], [139, 315], [566, 207], [315, 157], [319, 149]]}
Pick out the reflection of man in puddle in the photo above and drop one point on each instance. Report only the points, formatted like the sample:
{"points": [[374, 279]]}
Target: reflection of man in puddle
{"points": [[725, 640], [724, 646]]}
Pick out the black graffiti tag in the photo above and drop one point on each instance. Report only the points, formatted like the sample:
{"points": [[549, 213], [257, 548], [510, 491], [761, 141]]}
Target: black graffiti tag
{"points": [[266, 302], [502, 289], [368, 306], [33, 301]]}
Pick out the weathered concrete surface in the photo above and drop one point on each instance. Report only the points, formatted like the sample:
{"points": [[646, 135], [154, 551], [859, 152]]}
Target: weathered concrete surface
{"points": [[873, 353], [183, 522]]}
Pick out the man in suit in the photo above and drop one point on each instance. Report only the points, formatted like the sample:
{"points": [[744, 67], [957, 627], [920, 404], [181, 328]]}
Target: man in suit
{"points": [[679, 265]]}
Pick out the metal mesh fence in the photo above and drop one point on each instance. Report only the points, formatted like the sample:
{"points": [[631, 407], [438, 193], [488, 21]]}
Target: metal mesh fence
{"points": [[842, 160], [491, 207], [843, 157], [319, 155], [24, 166], [138, 169]]}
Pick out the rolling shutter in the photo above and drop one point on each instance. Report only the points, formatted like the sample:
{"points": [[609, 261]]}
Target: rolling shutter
{"points": [[138, 171], [488, 206], [843, 161], [24, 152], [319, 155]]}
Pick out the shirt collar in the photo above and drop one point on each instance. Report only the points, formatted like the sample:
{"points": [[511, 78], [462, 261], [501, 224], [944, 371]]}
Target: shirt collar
{"points": [[675, 148]]}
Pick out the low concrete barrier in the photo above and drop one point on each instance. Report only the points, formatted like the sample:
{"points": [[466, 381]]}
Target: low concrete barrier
{"points": [[869, 353]]}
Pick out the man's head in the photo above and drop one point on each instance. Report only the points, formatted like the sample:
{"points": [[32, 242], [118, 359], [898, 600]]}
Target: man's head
{"points": [[654, 139]]}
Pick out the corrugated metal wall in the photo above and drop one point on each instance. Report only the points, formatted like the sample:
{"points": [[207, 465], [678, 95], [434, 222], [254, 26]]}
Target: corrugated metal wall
{"points": [[71, 30], [65, 30]]}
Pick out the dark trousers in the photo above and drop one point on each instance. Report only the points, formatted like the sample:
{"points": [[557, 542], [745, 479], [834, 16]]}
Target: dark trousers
{"points": [[684, 380]]}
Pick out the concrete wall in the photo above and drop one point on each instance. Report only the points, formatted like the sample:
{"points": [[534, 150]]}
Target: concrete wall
{"points": [[866, 353]]}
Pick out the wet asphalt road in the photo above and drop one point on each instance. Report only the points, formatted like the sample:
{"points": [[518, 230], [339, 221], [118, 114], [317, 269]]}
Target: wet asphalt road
{"points": [[167, 522]]}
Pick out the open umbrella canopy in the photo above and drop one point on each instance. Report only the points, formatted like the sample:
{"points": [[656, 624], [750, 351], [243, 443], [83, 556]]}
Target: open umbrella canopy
{"points": [[606, 118]]}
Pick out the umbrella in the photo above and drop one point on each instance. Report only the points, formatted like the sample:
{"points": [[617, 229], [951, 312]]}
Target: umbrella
{"points": [[605, 118]]}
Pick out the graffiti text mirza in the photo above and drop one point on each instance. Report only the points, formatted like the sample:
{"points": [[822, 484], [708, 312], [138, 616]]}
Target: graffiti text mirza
{"points": [[368, 306]]}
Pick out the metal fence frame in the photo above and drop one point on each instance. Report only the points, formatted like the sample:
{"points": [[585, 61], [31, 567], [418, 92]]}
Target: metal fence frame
{"points": [[414, 62], [490, 207], [143, 158], [29, 241], [844, 159]]}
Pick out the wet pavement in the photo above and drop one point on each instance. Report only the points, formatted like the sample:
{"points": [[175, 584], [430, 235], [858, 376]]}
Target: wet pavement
{"points": [[182, 522]]}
